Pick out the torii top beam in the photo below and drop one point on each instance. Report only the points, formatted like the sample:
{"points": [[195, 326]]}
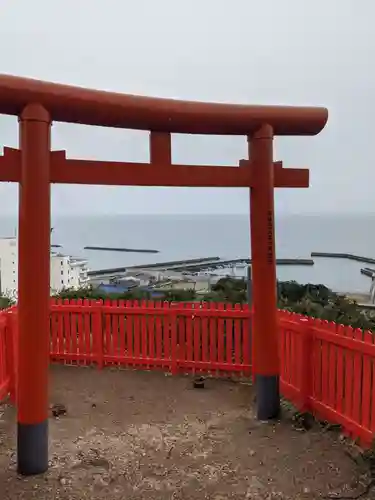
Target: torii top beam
{"points": [[93, 107]]}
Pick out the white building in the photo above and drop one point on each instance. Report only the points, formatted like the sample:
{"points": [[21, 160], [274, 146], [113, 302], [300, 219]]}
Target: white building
{"points": [[8, 266], [66, 271]]}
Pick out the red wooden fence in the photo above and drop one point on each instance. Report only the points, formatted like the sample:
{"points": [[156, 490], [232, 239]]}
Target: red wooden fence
{"points": [[178, 337], [326, 369], [329, 370]]}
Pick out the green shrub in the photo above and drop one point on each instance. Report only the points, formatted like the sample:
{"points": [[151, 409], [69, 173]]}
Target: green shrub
{"points": [[316, 301]]}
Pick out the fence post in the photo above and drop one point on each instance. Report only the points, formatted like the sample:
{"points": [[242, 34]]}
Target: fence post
{"points": [[306, 365], [98, 334], [11, 350]]}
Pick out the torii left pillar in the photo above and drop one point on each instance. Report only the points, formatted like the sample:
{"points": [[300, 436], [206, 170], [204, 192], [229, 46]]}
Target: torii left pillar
{"points": [[33, 291]]}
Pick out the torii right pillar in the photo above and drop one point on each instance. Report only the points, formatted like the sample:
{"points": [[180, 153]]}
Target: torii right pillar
{"points": [[265, 331]]}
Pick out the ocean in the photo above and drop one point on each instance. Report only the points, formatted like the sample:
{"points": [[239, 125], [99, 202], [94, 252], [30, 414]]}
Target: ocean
{"points": [[226, 236]]}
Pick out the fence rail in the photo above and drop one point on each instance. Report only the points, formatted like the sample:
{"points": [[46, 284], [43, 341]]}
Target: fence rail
{"points": [[325, 368]]}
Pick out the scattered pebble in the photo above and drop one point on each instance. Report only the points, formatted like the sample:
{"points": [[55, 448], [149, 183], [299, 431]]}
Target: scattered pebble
{"points": [[58, 410]]}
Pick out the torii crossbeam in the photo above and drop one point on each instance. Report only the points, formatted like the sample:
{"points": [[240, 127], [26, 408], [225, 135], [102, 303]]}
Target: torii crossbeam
{"points": [[35, 167], [155, 173]]}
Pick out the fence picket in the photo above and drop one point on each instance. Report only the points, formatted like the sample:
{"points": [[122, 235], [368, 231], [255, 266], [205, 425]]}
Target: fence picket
{"points": [[348, 375], [238, 334], [213, 337], [121, 331], [357, 378], [229, 337], [143, 332], [54, 334], [87, 331], [66, 330], [167, 332], [197, 338], [136, 333], [340, 369], [325, 367], [189, 333], [220, 336], [151, 332], [159, 331], [332, 360], [205, 333], [115, 337], [366, 385]]}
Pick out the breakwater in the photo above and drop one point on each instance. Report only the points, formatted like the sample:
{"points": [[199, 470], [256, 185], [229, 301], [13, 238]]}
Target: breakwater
{"points": [[117, 249], [177, 264], [110, 271], [222, 264], [348, 256], [367, 271]]}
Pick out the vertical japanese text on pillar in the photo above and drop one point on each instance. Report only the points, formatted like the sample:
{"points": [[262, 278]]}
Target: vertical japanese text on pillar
{"points": [[270, 246]]}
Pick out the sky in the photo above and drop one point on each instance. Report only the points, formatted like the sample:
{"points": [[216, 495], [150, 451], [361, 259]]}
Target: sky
{"points": [[268, 52]]}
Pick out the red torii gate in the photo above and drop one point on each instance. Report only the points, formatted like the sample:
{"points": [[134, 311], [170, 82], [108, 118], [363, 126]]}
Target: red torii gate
{"points": [[34, 166]]}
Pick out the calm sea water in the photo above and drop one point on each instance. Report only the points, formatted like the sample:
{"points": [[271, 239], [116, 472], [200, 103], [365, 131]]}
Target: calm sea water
{"points": [[226, 236]]}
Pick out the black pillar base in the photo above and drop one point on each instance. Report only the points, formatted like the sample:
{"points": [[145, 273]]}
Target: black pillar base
{"points": [[267, 396], [32, 448]]}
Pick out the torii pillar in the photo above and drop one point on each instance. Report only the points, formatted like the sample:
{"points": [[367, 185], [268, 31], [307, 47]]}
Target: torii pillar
{"points": [[264, 295], [34, 290]]}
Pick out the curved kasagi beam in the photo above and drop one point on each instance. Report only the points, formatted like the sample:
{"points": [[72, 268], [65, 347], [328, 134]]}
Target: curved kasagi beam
{"points": [[109, 109]]}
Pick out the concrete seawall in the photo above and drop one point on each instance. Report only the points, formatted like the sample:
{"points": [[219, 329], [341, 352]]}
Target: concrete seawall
{"points": [[348, 256]]}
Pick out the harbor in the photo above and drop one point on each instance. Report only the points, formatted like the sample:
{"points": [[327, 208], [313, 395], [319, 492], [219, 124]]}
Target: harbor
{"points": [[202, 272], [198, 273]]}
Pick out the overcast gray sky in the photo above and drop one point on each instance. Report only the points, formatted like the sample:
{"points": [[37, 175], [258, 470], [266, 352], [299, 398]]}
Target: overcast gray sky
{"points": [[319, 52]]}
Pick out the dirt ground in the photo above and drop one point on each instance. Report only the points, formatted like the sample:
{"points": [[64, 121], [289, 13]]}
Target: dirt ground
{"points": [[145, 435]]}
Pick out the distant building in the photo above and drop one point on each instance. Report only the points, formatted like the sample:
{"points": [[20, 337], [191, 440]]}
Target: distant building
{"points": [[8, 265], [66, 271], [125, 279]]}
